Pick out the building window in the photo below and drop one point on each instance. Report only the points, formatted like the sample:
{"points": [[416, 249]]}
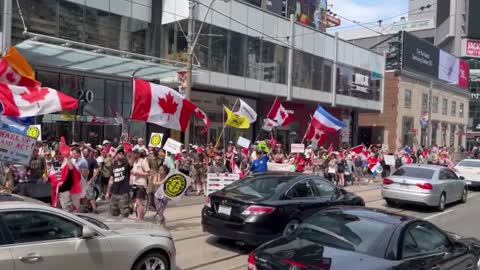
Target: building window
{"points": [[453, 111], [238, 50], [460, 110], [407, 126], [218, 49], [435, 105], [253, 58], [302, 73], [408, 98], [424, 102], [444, 106]]}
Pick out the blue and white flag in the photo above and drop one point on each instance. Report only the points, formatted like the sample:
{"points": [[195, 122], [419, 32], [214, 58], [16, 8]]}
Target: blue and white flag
{"points": [[377, 169], [407, 149], [17, 125]]}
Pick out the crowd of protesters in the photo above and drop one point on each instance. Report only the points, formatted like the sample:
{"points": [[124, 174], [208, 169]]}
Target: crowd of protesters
{"points": [[131, 175]]}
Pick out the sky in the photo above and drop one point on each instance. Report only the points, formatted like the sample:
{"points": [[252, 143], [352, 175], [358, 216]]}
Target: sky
{"points": [[369, 11]]}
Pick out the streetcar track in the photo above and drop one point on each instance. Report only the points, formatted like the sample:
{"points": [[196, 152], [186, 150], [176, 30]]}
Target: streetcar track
{"points": [[190, 237], [214, 261]]}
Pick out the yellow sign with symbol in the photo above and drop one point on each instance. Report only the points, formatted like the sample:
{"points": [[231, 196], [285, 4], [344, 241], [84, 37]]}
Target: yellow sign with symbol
{"points": [[35, 131], [156, 140], [175, 185]]}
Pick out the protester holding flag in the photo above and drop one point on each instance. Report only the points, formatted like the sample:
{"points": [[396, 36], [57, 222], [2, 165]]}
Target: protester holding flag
{"points": [[160, 200]]}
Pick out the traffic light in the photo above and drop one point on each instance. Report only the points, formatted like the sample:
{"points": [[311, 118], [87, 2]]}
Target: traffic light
{"points": [[395, 52]]}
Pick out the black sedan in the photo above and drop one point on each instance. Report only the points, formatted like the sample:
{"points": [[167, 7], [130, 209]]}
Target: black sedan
{"points": [[262, 207], [361, 238]]}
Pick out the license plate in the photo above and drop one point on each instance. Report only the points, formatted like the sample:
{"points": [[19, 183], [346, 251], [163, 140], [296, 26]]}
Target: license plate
{"points": [[468, 182], [225, 210]]}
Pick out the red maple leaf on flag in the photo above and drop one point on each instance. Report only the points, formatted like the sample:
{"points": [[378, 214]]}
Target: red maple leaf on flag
{"points": [[10, 77], [168, 104], [283, 114], [34, 95]]}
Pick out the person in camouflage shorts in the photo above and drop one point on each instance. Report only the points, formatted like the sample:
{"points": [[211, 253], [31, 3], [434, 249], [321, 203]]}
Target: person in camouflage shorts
{"points": [[119, 185]]}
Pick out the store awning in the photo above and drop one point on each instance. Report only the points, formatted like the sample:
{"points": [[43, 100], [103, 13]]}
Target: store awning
{"points": [[64, 57]]}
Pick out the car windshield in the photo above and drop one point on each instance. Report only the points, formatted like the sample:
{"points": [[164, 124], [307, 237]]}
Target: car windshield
{"points": [[415, 172], [469, 163], [257, 188], [344, 231], [95, 222]]}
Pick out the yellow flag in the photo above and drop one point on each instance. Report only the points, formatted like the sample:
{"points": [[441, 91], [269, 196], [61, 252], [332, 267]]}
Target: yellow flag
{"points": [[19, 63], [236, 121]]}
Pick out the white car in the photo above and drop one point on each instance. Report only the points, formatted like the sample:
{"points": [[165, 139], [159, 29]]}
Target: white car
{"points": [[470, 170], [34, 236]]}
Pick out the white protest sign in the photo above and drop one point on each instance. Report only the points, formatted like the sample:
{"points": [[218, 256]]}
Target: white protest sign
{"points": [[155, 140], [389, 160], [172, 146], [216, 182], [384, 147], [280, 167], [245, 143], [16, 148], [174, 186], [35, 131], [297, 148]]}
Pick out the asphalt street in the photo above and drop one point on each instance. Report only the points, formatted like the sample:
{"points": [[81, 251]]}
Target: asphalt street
{"points": [[197, 250]]}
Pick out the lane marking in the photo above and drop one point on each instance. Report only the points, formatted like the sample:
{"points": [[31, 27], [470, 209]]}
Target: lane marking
{"points": [[439, 214]]}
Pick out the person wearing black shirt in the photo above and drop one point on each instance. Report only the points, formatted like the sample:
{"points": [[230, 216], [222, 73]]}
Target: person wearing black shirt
{"points": [[119, 186]]}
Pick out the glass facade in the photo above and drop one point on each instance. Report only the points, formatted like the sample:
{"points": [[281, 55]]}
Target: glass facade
{"points": [[77, 22], [225, 51]]}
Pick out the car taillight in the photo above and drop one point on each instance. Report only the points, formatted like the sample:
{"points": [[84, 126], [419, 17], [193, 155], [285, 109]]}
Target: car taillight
{"points": [[295, 264], [387, 181], [251, 262], [207, 202], [427, 186], [255, 210]]}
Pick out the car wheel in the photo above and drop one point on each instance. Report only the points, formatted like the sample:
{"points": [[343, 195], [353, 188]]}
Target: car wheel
{"points": [[390, 202], [464, 195], [152, 261], [478, 263], [291, 226], [442, 202]]}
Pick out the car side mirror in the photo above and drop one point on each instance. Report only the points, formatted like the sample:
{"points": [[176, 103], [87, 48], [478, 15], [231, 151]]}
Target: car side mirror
{"points": [[462, 178], [88, 233]]}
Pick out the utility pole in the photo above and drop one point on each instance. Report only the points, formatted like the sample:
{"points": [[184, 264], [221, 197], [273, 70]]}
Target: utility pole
{"points": [[190, 40], [428, 142], [290, 57], [7, 24]]}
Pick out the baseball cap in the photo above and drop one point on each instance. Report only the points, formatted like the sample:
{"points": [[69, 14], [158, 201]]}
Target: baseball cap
{"points": [[106, 142]]}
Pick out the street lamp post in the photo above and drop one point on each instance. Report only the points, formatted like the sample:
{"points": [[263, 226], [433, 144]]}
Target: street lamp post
{"points": [[192, 41]]}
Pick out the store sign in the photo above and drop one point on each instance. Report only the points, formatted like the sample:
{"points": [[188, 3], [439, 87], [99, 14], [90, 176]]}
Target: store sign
{"points": [[361, 82], [474, 75], [463, 74], [420, 56], [471, 47]]}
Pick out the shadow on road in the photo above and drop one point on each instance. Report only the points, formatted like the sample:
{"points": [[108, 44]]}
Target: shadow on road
{"points": [[230, 245]]}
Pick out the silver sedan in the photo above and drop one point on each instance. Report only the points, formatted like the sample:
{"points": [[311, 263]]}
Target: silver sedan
{"points": [[38, 237], [424, 184]]}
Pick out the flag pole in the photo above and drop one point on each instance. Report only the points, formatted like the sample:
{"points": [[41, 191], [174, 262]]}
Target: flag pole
{"points": [[224, 125], [308, 128]]}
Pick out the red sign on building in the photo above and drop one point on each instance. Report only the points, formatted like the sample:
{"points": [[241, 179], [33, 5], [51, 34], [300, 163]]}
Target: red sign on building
{"points": [[473, 47], [463, 74]]}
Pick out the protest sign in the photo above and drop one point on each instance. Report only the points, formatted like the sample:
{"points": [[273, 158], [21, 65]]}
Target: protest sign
{"points": [[389, 160], [216, 182], [16, 148], [297, 148], [174, 186], [156, 140], [245, 143], [172, 146], [280, 167], [35, 131], [384, 147]]}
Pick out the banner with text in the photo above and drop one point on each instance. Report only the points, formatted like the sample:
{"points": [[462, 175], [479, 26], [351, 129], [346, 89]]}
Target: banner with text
{"points": [[216, 182], [16, 148], [280, 167]]}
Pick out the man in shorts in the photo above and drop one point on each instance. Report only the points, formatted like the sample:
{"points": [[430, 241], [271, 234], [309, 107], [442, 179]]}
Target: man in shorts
{"points": [[119, 186], [139, 174]]}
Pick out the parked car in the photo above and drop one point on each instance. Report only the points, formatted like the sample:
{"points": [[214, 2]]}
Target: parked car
{"points": [[264, 206], [470, 170], [424, 184], [38, 237], [347, 237]]}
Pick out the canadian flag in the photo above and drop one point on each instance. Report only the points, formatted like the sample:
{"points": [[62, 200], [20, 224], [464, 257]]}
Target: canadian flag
{"points": [[160, 105], [203, 116], [268, 124], [19, 101], [279, 114], [9, 75], [315, 134]]}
